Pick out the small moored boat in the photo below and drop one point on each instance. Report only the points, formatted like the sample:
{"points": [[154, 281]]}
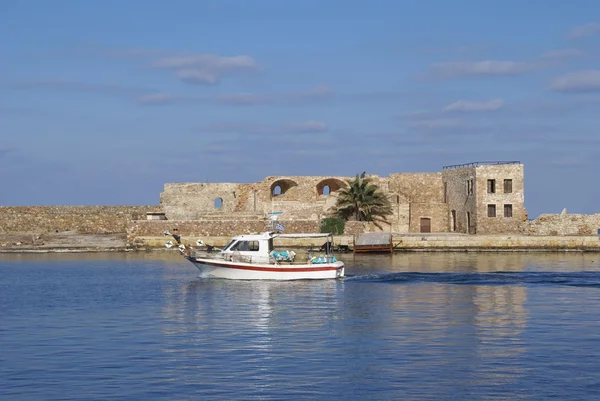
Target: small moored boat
{"points": [[254, 257]]}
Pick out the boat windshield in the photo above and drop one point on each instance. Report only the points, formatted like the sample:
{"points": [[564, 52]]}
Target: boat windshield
{"points": [[229, 245]]}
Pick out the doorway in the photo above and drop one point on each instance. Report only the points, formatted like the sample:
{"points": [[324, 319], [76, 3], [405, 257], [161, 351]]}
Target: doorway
{"points": [[425, 225]]}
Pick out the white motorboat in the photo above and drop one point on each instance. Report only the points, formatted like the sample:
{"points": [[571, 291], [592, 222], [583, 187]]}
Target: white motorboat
{"points": [[254, 257]]}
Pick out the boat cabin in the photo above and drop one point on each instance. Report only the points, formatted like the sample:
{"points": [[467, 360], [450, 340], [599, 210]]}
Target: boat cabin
{"points": [[259, 248]]}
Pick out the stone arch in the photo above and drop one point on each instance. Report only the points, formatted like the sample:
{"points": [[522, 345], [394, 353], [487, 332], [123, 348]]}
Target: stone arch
{"points": [[330, 185], [280, 187], [218, 203]]}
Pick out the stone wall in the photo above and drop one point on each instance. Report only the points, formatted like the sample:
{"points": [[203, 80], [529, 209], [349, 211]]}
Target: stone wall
{"points": [[563, 224], [297, 197], [417, 187], [83, 219], [460, 189], [212, 228], [437, 213], [500, 223]]}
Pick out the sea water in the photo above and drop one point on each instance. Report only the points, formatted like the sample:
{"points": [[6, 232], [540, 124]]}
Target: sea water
{"points": [[431, 326]]}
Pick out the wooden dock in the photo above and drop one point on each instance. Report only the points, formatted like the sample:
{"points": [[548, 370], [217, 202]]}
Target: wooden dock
{"points": [[373, 242]]}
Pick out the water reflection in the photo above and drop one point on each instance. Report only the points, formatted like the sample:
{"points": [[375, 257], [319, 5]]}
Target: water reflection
{"points": [[433, 326], [449, 262]]}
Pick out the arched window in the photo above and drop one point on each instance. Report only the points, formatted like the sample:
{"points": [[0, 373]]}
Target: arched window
{"points": [[281, 186], [329, 186], [218, 203]]}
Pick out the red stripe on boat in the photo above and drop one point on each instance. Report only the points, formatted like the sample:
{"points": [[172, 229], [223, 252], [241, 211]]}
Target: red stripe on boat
{"points": [[271, 269]]}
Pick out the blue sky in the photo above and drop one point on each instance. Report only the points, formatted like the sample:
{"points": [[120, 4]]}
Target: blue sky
{"points": [[102, 102]]}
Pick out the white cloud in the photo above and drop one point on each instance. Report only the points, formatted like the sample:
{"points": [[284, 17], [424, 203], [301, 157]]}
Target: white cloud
{"points": [[562, 53], [205, 69], [579, 81], [457, 69], [583, 31], [467, 106]]}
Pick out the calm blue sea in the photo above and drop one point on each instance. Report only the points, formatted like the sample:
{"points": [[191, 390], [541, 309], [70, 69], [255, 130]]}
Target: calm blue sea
{"points": [[430, 326]]}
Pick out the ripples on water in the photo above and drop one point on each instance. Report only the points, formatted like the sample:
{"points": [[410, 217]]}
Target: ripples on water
{"points": [[416, 326]]}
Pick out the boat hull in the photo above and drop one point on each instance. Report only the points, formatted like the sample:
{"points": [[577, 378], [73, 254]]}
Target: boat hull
{"points": [[252, 271]]}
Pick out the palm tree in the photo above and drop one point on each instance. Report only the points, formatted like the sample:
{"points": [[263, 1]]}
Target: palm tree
{"points": [[362, 201]]}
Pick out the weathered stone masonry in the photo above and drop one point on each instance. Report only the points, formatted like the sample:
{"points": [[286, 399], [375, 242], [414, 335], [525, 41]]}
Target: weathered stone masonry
{"points": [[476, 198], [454, 200]]}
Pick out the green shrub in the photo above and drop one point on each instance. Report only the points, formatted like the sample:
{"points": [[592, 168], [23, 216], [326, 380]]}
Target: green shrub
{"points": [[333, 225]]}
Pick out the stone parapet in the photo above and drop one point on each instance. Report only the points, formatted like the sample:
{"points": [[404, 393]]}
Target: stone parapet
{"points": [[82, 219]]}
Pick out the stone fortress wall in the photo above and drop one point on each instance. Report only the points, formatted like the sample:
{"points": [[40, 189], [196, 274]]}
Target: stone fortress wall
{"points": [[459, 199], [82, 219]]}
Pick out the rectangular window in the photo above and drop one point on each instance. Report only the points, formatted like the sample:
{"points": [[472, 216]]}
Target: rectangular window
{"points": [[491, 186], [469, 187], [507, 210], [507, 186], [491, 210]]}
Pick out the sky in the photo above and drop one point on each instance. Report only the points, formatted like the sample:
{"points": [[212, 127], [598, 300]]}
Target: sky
{"points": [[103, 102]]}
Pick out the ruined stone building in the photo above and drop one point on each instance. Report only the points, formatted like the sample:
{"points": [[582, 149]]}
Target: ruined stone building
{"points": [[481, 198]]}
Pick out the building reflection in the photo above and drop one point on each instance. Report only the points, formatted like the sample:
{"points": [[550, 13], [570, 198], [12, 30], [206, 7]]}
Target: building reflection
{"points": [[476, 328]]}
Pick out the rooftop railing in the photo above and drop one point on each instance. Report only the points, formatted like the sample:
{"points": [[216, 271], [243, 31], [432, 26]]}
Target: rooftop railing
{"points": [[475, 164]]}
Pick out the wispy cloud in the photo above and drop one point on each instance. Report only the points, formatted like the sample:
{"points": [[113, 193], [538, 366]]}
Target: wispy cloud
{"points": [[303, 127], [585, 30], [253, 99], [194, 68], [5, 150], [246, 99], [562, 54], [468, 106], [319, 91], [577, 82], [438, 123], [307, 127], [485, 68], [74, 86], [454, 50], [205, 69], [159, 98]]}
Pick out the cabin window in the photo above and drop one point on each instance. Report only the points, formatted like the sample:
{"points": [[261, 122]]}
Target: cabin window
{"points": [[218, 203], [507, 186], [491, 186], [245, 246], [277, 190], [507, 210], [491, 210]]}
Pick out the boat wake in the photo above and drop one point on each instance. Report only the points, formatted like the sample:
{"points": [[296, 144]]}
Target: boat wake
{"points": [[574, 279]]}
